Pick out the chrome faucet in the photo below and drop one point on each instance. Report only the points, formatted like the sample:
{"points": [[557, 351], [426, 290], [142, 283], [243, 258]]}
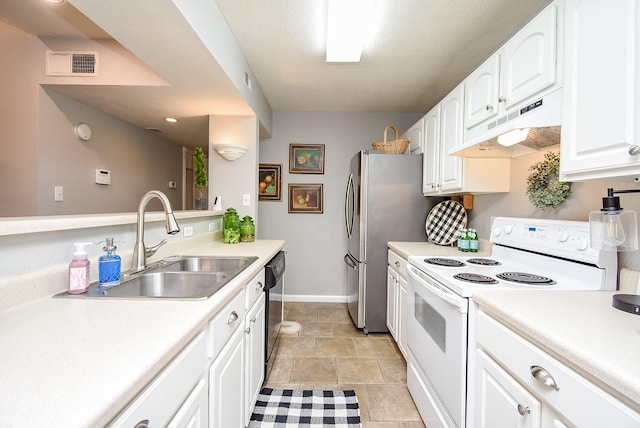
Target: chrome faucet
{"points": [[140, 252]]}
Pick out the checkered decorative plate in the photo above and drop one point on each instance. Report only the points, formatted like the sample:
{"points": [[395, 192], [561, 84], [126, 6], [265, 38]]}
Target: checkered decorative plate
{"points": [[280, 408], [444, 221]]}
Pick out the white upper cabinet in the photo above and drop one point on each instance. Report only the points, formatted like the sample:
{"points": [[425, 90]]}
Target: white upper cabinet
{"points": [[524, 67], [415, 135], [444, 174], [601, 93]]}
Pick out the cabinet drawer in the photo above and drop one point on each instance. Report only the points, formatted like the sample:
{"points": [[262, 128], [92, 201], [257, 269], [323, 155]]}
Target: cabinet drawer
{"points": [[222, 326], [165, 394], [253, 289], [398, 263], [577, 399]]}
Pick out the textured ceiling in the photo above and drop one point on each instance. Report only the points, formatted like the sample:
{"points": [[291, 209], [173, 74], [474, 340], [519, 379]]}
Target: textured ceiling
{"points": [[420, 51]]}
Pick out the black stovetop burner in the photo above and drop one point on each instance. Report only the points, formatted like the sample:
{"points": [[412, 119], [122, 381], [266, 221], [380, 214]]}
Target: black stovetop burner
{"points": [[475, 278], [525, 278], [439, 261], [483, 262]]}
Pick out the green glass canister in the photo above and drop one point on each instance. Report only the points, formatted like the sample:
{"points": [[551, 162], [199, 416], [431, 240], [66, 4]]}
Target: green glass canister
{"points": [[231, 226], [247, 230]]}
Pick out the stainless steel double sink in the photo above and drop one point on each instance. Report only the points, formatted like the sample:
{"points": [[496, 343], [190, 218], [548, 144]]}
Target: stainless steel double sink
{"points": [[177, 277]]}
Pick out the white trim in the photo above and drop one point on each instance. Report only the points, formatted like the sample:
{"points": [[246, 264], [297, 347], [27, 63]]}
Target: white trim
{"points": [[314, 298]]}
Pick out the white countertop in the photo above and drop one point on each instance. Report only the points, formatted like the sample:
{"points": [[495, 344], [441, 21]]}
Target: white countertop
{"points": [[581, 329], [406, 249], [78, 362]]}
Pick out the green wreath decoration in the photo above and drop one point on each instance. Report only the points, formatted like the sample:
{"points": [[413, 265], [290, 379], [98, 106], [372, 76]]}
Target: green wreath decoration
{"points": [[544, 188]]}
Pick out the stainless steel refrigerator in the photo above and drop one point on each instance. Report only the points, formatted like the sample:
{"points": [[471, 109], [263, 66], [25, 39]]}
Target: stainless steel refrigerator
{"points": [[383, 202]]}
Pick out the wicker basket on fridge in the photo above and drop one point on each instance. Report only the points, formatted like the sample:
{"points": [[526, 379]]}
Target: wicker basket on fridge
{"points": [[396, 146]]}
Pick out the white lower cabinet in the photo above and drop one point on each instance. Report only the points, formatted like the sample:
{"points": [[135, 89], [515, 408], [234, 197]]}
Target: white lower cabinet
{"points": [[194, 413], [254, 354], [520, 385], [167, 399], [226, 384], [397, 300]]}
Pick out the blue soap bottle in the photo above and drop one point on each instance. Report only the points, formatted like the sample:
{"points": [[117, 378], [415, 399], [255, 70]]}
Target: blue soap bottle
{"points": [[109, 266]]}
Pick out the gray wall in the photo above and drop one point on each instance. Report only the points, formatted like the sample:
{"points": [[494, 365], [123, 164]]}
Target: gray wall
{"points": [[39, 150], [316, 243], [586, 197]]}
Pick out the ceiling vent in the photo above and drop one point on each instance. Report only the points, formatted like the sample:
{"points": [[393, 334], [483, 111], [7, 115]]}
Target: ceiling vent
{"points": [[72, 63]]}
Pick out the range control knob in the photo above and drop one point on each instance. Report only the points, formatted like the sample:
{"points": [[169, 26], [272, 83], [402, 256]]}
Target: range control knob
{"points": [[497, 231], [582, 243], [508, 229], [563, 235]]}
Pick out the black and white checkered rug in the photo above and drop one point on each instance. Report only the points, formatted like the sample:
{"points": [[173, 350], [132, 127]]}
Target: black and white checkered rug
{"points": [[281, 408]]}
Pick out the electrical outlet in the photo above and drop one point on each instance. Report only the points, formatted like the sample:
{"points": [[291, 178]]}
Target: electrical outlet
{"points": [[188, 231], [216, 225], [246, 199]]}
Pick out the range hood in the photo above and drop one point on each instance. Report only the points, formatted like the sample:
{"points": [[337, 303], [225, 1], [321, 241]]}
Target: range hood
{"points": [[542, 116]]}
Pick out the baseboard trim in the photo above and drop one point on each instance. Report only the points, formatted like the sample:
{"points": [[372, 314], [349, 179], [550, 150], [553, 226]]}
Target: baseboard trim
{"points": [[314, 298]]}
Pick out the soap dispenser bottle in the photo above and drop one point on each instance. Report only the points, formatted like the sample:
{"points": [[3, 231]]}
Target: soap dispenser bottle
{"points": [[109, 266], [79, 275]]}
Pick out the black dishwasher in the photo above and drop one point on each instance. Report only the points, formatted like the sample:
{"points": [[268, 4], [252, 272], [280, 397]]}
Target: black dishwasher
{"points": [[274, 279]]}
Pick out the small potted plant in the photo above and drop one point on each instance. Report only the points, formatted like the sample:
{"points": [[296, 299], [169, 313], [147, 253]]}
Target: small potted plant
{"points": [[200, 177]]}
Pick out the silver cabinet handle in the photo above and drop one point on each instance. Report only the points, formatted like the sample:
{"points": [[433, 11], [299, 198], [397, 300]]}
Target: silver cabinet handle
{"points": [[634, 150], [253, 320], [502, 99], [233, 317], [488, 107], [523, 410], [142, 424], [259, 286], [247, 330], [543, 376], [397, 263]]}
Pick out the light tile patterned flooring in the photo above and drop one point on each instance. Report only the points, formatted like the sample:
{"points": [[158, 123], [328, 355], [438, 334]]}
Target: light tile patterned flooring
{"points": [[329, 352]]}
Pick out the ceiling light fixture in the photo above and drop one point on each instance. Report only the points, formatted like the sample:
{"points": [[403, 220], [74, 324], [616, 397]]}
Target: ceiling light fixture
{"points": [[348, 25], [171, 119], [512, 137], [54, 1]]}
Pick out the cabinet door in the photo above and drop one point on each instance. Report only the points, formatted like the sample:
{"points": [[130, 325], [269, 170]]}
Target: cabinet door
{"points": [[501, 401], [481, 92], [451, 135], [402, 315], [529, 63], [226, 384], [415, 137], [600, 90], [431, 151], [392, 298], [194, 411], [254, 354]]}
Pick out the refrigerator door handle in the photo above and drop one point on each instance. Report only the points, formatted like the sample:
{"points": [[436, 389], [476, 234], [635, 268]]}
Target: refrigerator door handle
{"points": [[350, 261], [348, 213]]}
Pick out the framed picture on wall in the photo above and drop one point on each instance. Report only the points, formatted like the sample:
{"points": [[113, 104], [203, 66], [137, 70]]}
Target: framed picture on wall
{"points": [[270, 182], [305, 198], [306, 158]]}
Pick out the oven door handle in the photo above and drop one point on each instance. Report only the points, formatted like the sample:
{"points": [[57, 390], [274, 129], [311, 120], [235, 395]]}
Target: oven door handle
{"points": [[458, 302]]}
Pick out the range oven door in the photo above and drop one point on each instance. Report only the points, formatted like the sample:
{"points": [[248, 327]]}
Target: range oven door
{"points": [[437, 342]]}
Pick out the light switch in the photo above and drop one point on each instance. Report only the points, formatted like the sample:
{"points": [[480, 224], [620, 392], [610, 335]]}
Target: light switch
{"points": [[58, 194], [246, 201]]}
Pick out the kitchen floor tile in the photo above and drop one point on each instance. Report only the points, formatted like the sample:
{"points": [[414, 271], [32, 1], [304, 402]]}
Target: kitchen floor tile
{"points": [[359, 370], [329, 352], [392, 403], [334, 347], [314, 370]]}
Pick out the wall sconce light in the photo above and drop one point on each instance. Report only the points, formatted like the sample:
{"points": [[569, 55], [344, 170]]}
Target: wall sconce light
{"points": [[230, 151], [612, 229]]}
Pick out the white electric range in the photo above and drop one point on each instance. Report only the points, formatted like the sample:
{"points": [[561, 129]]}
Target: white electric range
{"points": [[537, 254]]}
